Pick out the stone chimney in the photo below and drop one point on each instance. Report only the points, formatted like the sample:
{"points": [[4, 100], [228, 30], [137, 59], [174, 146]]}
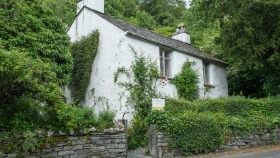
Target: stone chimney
{"points": [[97, 5], [181, 34]]}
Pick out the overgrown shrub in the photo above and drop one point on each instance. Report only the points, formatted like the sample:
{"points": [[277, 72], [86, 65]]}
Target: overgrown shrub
{"points": [[191, 132], [105, 120], [72, 117], [137, 133], [19, 141], [211, 121]]}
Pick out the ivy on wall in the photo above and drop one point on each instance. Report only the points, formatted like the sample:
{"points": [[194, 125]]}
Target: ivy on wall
{"points": [[143, 75], [186, 82], [83, 52]]}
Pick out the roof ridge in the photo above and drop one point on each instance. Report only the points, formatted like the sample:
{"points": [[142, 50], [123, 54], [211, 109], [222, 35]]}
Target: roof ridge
{"points": [[155, 37]]}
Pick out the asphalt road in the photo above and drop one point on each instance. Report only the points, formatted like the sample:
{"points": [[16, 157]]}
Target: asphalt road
{"points": [[272, 151], [259, 154]]}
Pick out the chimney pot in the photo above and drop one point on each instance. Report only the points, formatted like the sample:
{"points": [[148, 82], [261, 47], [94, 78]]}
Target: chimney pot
{"points": [[181, 34], [97, 5]]}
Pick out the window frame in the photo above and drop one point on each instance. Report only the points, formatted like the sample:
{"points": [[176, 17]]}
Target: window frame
{"points": [[165, 56], [206, 72]]}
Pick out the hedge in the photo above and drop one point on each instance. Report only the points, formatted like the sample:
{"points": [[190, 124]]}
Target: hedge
{"points": [[203, 125]]}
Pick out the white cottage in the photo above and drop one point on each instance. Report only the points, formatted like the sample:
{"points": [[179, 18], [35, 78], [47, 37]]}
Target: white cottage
{"points": [[116, 39]]}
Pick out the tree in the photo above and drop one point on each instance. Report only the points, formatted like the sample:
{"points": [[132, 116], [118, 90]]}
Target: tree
{"points": [[64, 10], [202, 30], [26, 84], [250, 43], [143, 19], [29, 27], [165, 12], [115, 8], [35, 60]]}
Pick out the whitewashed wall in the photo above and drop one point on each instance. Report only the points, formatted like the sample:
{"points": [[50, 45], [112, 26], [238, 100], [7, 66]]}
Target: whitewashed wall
{"points": [[218, 77], [115, 51], [112, 53]]}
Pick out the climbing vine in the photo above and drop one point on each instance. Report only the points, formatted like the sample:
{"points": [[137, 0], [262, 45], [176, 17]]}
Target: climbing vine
{"points": [[186, 82], [142, 75], [83, 52]]}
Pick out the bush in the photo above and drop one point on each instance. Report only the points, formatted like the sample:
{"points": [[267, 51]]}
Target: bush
{"points": [[137, 133], [83, 118], [203, 125], [191, 132], [178, 106], [105, 120]]}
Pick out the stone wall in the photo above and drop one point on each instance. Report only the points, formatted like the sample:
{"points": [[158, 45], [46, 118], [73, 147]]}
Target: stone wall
{"points": [[257, 138], [160, 148], [88, 146], [111, 144]]}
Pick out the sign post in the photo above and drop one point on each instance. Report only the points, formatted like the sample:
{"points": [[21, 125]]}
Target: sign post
{"points": [[158, 104]]}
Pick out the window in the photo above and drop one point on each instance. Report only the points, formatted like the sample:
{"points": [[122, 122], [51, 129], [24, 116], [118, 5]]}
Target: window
{"points": [[206, 74], [165, 63]]}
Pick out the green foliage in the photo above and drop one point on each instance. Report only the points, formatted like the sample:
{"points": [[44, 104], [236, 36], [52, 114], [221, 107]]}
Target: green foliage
{"points": [[144, 20], [65, 10], [115, 8], [186, 82], [70, 118], [35, 61], [30, 101], [249, 41], [191, 132], [83, 52], [165, 12], [19, 142], [203, 125], [143, 75], [29, 27], [165, 30], [122, 9], [203, 31], [83, 118], [159, 15], [26, 83], [137, 133], [105, 120]]}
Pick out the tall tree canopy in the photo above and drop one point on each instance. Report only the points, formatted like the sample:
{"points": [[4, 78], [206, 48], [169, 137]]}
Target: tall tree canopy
{"points": [[35, 60], [65, 10], [29, 27], [165, 12], [250, 43]]}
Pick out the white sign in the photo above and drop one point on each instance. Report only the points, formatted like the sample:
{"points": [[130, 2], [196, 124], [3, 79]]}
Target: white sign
{"points": [[158, 104]]}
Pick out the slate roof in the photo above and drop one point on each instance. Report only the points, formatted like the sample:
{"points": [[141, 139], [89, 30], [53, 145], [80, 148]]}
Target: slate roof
{"points": [[150, 36]]}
